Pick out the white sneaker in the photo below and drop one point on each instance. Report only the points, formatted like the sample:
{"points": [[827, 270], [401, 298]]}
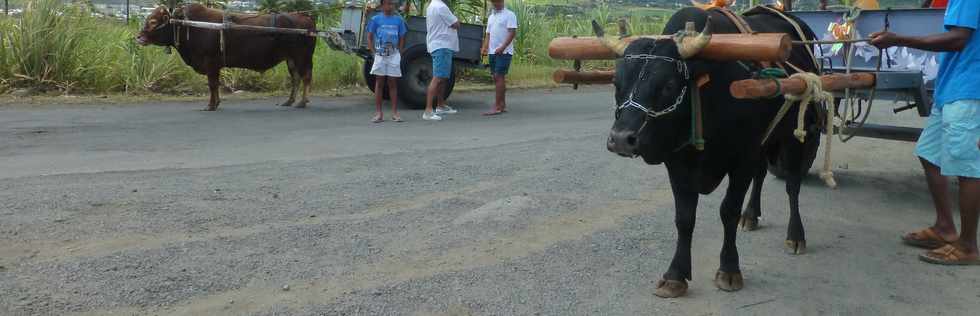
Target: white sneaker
{"points": [[429, 116], [446, 109]]}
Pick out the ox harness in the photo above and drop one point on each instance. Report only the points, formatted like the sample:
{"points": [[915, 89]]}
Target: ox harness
{"points": [[697, 138]]}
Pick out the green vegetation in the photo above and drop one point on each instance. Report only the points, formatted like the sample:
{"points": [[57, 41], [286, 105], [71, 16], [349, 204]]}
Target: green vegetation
{"points": [[59, 48]]}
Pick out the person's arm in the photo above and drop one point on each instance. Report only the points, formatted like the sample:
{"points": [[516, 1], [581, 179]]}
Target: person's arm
{"points": [[402, 31], [370, 35], [953, 40], [511, 33], [485, 49], [451, 18]]}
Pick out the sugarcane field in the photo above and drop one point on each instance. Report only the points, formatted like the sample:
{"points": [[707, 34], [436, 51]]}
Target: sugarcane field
{"points": [[489, 157]]}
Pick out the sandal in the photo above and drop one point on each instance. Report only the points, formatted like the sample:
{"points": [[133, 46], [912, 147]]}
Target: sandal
{"points": [[950, 255], [396, 118], [492, 113], [377, 119], [926, 238]]}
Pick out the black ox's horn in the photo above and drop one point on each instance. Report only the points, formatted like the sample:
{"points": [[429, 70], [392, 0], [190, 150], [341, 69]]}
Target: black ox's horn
{"points": [[615, 44]]}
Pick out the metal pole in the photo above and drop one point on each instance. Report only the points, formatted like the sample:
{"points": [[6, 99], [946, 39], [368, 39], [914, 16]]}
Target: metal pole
{"points": [[6, 7], [127, 11]]}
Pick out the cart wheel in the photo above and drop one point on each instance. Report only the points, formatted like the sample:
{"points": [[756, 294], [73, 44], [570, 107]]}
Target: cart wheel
{"points": [[416, 75], [369, 78]]}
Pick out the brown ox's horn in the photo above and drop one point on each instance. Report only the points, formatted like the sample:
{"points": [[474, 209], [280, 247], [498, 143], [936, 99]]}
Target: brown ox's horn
{"points": [[689, 45], [615, 44]]}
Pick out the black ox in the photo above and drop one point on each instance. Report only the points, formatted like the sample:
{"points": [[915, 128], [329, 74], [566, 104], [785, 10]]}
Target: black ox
{"points": [[654, 87]]}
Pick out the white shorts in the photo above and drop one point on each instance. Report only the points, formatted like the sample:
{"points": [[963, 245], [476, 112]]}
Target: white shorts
{"points": [[390, 66]]}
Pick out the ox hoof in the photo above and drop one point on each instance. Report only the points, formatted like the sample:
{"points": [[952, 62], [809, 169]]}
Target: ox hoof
{"points": [[729, 282], [748, 223], [301, 105], [287, 103], [796, 247], [671, 288]]}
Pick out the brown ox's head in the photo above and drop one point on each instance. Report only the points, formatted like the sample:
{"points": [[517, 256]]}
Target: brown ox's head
{"points": [[157, 30]]}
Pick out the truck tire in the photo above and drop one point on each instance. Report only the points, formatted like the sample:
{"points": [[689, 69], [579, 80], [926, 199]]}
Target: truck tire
{"points": [[369, 78], [416, 75]]}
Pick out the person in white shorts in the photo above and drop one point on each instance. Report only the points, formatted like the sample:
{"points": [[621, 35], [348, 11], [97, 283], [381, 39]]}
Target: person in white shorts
{"points": [[386, 40]]}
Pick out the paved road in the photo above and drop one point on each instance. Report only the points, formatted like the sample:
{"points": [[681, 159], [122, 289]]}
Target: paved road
{"points": [[258, 210]]}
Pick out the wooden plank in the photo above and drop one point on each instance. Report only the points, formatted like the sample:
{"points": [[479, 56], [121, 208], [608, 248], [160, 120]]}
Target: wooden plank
{"points": [[774, 47], [233, 26], [762, 88], [585, 77]]}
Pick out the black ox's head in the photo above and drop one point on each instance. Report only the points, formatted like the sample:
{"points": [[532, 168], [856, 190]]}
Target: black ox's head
{"points": [[653, 93], [156, 30]]}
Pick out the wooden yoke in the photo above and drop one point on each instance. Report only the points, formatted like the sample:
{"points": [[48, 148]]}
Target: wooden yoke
{"points": [[774, 47], [586, 77], [764, 88]]}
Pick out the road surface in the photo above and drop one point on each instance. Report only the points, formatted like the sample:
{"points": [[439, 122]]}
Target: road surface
{"points": [[160, 209]]}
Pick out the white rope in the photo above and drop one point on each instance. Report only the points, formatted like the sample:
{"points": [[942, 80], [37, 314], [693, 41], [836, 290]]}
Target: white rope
{"points": [[812, 93]]}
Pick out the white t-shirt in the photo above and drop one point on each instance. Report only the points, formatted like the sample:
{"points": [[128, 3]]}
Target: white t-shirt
{"points": [[439, 34], [497, 26]]}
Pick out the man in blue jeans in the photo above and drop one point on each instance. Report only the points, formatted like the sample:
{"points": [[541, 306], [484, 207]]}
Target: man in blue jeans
{"points": [[442, 42], [501, 30], [950, 143]]}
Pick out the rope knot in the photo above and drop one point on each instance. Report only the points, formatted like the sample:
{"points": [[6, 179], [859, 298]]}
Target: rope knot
{"points": [[813, 93]]}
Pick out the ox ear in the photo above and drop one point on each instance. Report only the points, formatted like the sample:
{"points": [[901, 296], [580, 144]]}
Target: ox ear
{"points": [[688, 44], [615, 44]]}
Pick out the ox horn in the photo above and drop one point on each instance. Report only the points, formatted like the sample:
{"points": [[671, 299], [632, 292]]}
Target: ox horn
{"points": [[689, 45], [614, 44]]}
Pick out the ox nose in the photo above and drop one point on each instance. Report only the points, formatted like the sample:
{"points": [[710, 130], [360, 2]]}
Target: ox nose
{"points": [[623, 143]]}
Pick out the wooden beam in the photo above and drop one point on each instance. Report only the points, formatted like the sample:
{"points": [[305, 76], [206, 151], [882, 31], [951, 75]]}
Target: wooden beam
{"points": [[232, 26], [763, 88], [585, 77], [774, 47]]}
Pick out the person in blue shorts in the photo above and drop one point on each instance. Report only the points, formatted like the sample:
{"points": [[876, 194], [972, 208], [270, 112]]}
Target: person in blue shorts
{"points": [[499, 42], [442, 42], [386, 40], [950, 143]]}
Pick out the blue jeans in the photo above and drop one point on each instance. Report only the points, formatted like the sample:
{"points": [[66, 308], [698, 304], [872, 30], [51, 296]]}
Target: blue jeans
{"points": [[950, 137], [500, 64], [442, 63]]}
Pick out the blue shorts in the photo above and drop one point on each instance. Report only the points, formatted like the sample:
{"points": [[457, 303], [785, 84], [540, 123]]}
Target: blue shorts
{"points": [[950, 138], [500, 64], [442, 63]]}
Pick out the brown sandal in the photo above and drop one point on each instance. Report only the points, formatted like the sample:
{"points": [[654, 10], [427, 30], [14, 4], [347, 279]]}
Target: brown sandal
{"points": [[926, 238], [950, 255]]}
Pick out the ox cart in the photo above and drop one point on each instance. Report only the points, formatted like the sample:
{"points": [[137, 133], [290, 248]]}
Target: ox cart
{"points": [[351, 37], [906, 75]]}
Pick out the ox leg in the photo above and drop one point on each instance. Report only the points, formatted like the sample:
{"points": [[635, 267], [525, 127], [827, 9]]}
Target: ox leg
{"points": [[293, 82], [307, 80], [214, 85], [674, 282], [306, 73], [729, 275], [793, 158], [753, 211]]}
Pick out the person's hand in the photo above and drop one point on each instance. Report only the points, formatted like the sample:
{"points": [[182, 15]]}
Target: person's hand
{"points": [[884, 39], [483, 51], [499, 51]]}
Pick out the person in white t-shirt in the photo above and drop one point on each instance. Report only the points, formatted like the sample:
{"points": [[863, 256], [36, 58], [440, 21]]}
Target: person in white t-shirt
{"points": [[442, 42], [499, 43]]}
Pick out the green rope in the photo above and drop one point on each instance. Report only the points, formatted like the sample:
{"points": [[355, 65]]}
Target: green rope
{"points": [[773, 74]]}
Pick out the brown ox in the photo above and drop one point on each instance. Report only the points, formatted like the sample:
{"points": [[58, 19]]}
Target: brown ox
{"points": [[259, 51]]}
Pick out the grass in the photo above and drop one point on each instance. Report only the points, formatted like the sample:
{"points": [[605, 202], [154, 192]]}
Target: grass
{"points": [[57, 48]]}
